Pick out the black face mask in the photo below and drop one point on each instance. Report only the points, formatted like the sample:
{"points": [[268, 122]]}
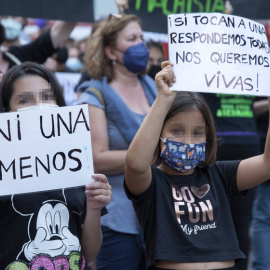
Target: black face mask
{"points": [[2, 34], [154, 70], [62, 55], [81, 56]]}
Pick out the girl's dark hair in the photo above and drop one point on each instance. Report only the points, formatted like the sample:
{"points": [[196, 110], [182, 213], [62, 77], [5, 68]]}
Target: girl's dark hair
{"points": [[20, 71], [155, 44], [188, 101]]}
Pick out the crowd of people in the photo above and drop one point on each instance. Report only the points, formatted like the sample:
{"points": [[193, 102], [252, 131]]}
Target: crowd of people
{"points": [[178, 184]]}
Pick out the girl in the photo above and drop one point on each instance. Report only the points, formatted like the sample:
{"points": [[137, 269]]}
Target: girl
{"points": [[182, 203], [57, 229]]}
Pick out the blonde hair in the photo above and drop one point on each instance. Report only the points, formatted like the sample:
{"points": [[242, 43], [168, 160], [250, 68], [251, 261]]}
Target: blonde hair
{"points": [[106, 34]]}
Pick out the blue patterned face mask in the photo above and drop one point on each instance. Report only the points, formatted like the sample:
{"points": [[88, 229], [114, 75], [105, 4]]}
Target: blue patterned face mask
{"points": [[181, 156]]}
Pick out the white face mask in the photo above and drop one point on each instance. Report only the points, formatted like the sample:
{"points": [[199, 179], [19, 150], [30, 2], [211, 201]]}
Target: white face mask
{"points": [[38, 107], [74, 64], [12, 28]]}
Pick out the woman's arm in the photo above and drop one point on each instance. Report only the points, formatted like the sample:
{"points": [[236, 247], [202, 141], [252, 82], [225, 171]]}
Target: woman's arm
{"points": [[98, 194], [45, 45], [255, 170], [60, 32], [105, 160], [141, 151]]}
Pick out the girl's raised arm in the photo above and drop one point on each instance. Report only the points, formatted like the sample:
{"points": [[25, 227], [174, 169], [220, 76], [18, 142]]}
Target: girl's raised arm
{"points": [[141, 151], [253, 171]]}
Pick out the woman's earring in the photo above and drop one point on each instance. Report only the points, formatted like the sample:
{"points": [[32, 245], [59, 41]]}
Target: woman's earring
{"points": [[113, 62]]}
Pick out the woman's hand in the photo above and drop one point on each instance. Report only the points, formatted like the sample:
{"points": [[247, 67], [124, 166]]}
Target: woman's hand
{"points": [[122, 5], [164, 79], [98, 193]]}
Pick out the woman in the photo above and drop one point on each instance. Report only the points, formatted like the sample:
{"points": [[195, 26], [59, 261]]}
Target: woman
{"points": [[51, 229], [119, 97]]}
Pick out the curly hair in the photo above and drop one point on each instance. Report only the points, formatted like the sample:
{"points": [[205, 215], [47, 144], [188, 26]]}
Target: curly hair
{"points": [[96, 61]]}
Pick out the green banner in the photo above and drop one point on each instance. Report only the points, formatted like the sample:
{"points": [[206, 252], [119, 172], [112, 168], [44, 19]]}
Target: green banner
{"points": [[153, 13]]}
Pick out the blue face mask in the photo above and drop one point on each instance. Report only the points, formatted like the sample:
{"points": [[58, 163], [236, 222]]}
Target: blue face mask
{"points": [[136, 57], [181, 156]]}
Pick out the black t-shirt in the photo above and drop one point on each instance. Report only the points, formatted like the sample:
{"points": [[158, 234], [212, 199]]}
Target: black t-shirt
{"points": [[187, 218], [37, 51], [42, 228], [234, 118]]}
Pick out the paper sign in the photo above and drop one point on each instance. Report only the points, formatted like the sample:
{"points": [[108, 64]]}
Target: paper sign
{"points": [[68, 82], [218, 53], [45, 149]]}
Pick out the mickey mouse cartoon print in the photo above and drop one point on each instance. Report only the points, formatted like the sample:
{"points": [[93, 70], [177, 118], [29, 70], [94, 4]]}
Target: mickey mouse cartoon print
{"points": [[53, 235], [52, 229]]}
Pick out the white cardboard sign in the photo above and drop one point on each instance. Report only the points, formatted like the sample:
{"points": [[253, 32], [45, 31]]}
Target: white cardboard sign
{"points": [[219, 53], [68, 81], [45, 149]]}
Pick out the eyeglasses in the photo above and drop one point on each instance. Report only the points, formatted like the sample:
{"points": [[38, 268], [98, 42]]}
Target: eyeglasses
{"points": [[115, 15]]}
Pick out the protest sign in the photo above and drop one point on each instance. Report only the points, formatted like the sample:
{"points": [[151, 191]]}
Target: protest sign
{"points": [[67, 10], [68, 82], [45, 149], [153, 13], [218, 53]]}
